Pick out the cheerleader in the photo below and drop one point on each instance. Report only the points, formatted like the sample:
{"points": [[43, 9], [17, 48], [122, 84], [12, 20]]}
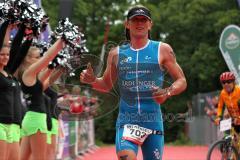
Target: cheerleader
{"points": [[11, 106], [34, 124], [7, 85]]}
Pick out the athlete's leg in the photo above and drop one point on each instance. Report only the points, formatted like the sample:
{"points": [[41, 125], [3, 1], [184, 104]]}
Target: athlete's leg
{"points": [[3, 141], [14, 151], [38, 143], [51, 148], [126, 150], [126, 155], [13, 144], [25, 149], [152, 148], [3, 150]]}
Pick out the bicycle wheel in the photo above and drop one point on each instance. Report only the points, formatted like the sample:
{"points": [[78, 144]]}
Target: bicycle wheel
{"points": [[222, 150]]}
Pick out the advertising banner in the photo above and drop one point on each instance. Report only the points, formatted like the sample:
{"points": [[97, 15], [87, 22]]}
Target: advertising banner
{"points": [[230, 48]]}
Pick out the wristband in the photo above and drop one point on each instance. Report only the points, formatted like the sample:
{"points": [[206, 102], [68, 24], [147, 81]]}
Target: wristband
{"points": [[169, 93]]}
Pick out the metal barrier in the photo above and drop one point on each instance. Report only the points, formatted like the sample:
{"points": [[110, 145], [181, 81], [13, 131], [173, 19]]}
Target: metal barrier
{"points": [[201, 130], [76, 139]]}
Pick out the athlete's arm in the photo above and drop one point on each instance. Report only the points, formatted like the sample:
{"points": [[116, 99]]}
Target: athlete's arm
{"points": [[7, 33], [30, 74], [19, 57], [220, 106], [3, 30], [43, 76], [106, 82], [168, 61], [49, 76], [56, 74], [219, 109], [15, 48]]}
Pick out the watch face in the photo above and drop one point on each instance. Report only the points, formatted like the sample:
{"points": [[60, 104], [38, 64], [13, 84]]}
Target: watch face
{"points": [[168, 92]]}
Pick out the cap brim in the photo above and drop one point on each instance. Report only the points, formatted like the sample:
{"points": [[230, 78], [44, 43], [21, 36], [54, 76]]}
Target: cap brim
{"points": [[139, 15]]}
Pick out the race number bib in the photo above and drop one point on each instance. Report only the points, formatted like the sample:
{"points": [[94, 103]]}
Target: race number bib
{"points": [[135, 133], [225, 125]]}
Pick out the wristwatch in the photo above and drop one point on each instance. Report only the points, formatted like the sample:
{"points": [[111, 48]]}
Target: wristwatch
{"points": [[168, 92]]}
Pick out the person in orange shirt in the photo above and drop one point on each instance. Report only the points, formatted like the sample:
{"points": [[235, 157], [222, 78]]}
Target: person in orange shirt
{"points": [[230, 97]]}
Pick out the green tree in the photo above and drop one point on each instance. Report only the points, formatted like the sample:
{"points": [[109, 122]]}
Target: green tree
{"points": [[51, 7]]}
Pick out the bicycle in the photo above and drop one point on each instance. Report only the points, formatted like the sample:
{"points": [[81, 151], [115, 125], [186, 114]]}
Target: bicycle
{"points": [[226, 148]]}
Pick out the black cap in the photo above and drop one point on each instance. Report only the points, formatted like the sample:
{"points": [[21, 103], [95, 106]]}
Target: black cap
{"points": [[139, 11]]}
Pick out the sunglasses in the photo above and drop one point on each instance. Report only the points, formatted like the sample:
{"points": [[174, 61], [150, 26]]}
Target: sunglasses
{"points": [[227, 81]]}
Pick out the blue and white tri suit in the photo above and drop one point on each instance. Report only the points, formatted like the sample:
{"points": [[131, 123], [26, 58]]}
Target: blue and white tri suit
{"points": [[139, 71]]}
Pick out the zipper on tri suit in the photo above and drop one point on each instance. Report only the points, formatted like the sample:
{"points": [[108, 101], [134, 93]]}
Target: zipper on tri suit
{"points": [[138, 99]]}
